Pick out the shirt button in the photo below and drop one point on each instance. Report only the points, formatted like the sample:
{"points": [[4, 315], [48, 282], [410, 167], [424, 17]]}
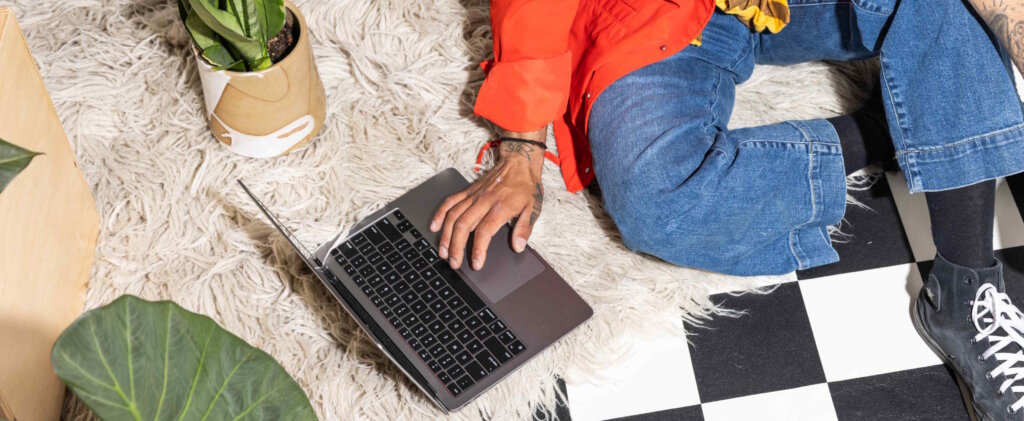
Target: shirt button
{"points": [[587, 96], [663, 48]]}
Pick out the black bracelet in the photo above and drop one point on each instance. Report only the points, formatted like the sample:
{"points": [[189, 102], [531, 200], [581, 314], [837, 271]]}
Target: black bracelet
{"points": [[518, 140]]}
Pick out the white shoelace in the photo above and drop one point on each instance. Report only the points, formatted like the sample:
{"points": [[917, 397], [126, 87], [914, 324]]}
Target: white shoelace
{"points": [[993, 314]]}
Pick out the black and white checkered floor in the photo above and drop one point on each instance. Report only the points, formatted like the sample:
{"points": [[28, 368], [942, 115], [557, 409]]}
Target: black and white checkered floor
{"points": [[836, 342]]}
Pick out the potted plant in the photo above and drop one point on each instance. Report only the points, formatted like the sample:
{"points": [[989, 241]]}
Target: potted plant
{"points": [[262, 91], [134, 359]]}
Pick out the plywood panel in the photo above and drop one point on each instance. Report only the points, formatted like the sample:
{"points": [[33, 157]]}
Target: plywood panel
{"points": [[48, 230]]}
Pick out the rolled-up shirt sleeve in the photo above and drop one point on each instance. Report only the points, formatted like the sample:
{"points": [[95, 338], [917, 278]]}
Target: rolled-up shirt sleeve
{"points": [[527, 83]]}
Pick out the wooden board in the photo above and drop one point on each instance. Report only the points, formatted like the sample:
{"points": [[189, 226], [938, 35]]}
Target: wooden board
{"points": [[48, 230]]}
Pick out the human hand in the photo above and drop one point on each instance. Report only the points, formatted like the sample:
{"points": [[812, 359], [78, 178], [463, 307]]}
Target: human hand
{"points": [[511, 189]]}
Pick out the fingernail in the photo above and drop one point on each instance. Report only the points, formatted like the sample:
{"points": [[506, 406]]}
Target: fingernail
{"points": [[434, 226], [519, 244], [453, 263], [477, 264], [442, 252]]}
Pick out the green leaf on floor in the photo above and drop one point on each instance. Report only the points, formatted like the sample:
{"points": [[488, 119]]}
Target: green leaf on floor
{"points": [[140, 360]]}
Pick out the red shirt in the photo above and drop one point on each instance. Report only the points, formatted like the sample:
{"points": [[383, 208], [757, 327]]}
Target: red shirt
{"points": [[553, 58]]}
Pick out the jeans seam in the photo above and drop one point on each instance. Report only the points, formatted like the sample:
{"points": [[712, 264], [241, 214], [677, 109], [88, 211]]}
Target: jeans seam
{"points": [[896, 105], [794, 244], [967, 141]]}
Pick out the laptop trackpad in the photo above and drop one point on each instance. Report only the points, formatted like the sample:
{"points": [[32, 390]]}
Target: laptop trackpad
{"points": [[504, 270]]}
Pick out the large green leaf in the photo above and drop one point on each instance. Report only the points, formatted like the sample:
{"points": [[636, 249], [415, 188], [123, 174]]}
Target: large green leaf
{"points": [[139, 360], [13, 159], [229, 26]]}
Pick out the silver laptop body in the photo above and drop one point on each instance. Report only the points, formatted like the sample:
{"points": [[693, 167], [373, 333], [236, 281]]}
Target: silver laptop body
{"points": [[454, 333]]}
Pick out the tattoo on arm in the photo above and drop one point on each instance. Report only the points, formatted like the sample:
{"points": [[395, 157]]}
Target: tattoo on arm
{"points": [[523, 149], [1005, 18], [538, 203]]}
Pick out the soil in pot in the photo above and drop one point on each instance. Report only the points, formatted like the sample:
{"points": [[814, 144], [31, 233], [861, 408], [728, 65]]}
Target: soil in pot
{"points": [[280, 45]]}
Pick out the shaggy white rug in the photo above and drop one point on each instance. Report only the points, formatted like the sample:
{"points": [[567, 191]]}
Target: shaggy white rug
{"points": [[400, 78]]}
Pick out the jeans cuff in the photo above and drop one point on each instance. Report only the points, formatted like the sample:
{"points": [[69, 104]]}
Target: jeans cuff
{"points": [[810, 242], [965, 162]]}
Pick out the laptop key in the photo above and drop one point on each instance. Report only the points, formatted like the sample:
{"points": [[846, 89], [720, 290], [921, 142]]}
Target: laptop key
{"points": [[434, 366], [383, 267], [431, 256], [454, 388], [409, 296], [456, 371], [424, 354], [366, 271], [402, 245], [420, 286], [482, 332], [454, 302], [488, 361], [428, 340], [412, 276], [445, 360], [428, 273], [445, 337], [374, 235], [506, 337], [415, 344], [497, 327], [421, 244], [517, 347], [395, 321], [455, 347], [410, 320], [348, 249], [398, 215], [465, 336], [401, 310], [428, 316], [401, 286], [464, 313], [419, 330], [428, 295], [385, 248], [437, 351], [465, 382], [406, 333], [351, 271], [438, 306], [375, 258], [472, 300], [335, 252], [415, 234], [474, 346], [487, 315], [475, 370], [404, 226], [402, 266], [366, 248], [441, 375], [393, 299], [392, 277], [474, 322], [419, 264], [386, 312], [388, 229], [436, 327], [455, 325], [410, 254], [368, 290], [446, 316], [359, 280], [358, 240], [446, 293], [377, 301], [464, 358], [376, 280], [383, 290], [417, 307], [498, 350]]}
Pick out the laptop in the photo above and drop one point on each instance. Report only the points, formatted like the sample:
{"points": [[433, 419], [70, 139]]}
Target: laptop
{"points": [[454, 333]]}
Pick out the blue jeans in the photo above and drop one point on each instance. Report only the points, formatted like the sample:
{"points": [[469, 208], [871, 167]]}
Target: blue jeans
{"points": [[682, 186]]}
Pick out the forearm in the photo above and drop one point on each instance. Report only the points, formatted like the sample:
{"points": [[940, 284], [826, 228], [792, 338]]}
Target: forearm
{"points": [[1005, 18]]}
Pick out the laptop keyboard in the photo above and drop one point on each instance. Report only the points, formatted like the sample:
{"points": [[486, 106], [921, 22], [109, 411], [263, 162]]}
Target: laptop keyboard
{"points": [[458, 337]]}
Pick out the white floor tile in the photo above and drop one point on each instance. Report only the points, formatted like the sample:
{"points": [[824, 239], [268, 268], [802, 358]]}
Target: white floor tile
{"points": [[913, 208], [810, 403], [861, 322], [655, 376]]}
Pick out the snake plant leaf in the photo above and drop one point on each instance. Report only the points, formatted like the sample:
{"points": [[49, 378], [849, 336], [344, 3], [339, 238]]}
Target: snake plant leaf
{"points": [[139, 360], [13, 159], [272, 16], [225, 24]]}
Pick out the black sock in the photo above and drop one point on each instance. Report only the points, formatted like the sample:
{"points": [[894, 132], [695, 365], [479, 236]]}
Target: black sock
{"points": [[864, 135], [962, 222]]}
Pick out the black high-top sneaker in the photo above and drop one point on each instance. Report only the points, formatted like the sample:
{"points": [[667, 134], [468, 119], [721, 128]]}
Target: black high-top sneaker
{"points": [[965, 316]]}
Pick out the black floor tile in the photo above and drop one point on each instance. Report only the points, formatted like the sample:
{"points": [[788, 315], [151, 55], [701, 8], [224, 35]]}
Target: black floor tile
{"points": [[561, 410], [928, 393], [770, 348], [878, 238]]}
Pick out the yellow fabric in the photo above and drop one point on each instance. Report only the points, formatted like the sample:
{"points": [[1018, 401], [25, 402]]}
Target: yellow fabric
{"points": [[759, 15]]}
